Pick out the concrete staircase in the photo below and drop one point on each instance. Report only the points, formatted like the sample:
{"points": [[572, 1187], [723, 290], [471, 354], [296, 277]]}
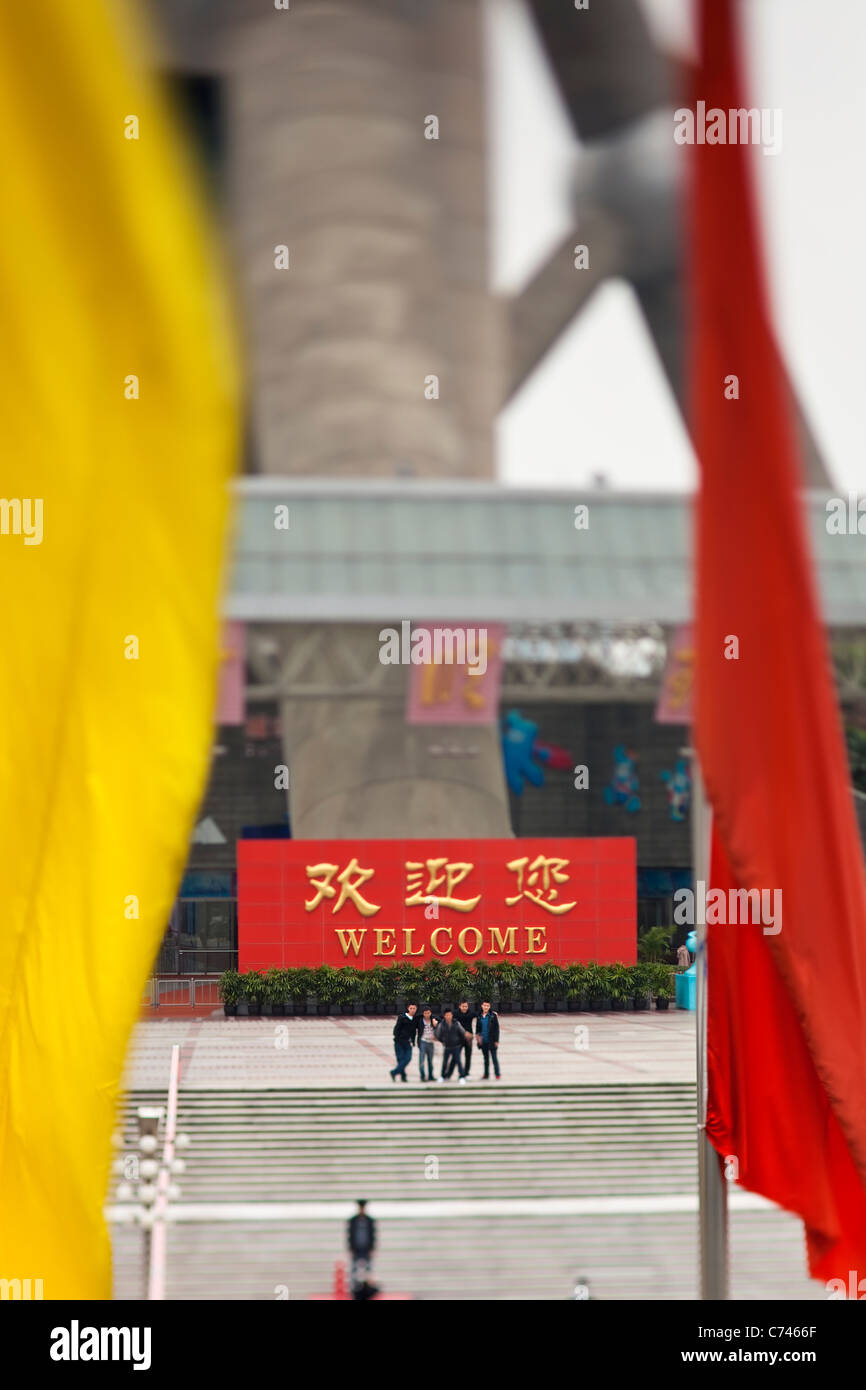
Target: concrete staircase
{"points": [[425, 1146], [488, 1140]]}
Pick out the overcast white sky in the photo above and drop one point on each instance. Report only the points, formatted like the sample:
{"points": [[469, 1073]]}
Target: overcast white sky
{"points": [[599, 403]]}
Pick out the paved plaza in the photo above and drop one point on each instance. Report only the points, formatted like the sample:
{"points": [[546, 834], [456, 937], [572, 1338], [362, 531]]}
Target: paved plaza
{"points": [[536, 1049]]}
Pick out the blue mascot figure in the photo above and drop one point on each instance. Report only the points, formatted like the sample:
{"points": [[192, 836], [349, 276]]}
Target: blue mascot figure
{"points": [[519, 751], [622, 789], [679, 785]]}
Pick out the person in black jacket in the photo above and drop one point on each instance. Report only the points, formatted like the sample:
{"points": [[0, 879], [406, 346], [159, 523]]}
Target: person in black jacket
{"points": [[487, 1035], [465, 1016], [453, 1038], [405, 1036], [361, 1240]]}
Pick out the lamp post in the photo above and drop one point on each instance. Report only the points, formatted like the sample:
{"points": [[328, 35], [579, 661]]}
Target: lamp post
{"points": [[148, 1179]]}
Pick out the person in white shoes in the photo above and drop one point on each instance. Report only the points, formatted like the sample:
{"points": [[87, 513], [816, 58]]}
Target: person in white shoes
{"points": [[453, 1039]]}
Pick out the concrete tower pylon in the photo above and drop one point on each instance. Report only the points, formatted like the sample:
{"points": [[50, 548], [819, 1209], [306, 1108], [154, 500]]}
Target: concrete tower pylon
{"points": [[356, 143]]}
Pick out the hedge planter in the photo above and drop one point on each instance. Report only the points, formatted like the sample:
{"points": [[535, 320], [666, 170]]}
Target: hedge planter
{"points": [[572, 989]]}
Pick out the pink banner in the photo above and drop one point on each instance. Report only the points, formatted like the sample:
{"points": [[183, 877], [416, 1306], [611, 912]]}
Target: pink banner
{"points": [[454, 674], [675, 699], [230, 697]]}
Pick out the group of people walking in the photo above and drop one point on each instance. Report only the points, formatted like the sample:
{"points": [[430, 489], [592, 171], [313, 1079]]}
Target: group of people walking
{"points": [[457, 1033]]}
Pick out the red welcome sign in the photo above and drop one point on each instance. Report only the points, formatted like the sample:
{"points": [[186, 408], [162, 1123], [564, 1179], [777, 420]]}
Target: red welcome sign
{"points": [[374, 902]]}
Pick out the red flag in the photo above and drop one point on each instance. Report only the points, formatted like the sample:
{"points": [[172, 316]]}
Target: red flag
{"points": [[786, 1011]]}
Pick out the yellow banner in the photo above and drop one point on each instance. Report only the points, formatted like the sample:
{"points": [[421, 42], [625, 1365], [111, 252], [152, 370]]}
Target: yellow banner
{"points": [[117, 421]]}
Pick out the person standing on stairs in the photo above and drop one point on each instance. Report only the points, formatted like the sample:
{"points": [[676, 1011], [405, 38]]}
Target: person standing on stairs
{"points": [[361, 1240]]}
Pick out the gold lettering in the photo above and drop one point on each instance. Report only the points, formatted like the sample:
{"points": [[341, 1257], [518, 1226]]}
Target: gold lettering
{"points": [[440, 873], [381, 933], [462, 940], [321, 876], [356, 938], [532, 934], [541, 892], [502, 942], [408, 933], [434, 934]]}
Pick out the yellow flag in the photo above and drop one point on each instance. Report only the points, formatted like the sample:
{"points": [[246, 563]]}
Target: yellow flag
{"points": [[117, 432]]}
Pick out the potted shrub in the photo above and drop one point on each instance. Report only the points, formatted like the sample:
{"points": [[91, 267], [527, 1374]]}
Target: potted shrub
{"points": [[352, 977], [552, 980], [270, 1003], [254, 989], [662, 986], [484, 984], [596, 985], [460, 982], [641, 985], [304, 990], [325, 987], [412, 984], [530, 992], [346, 989], [372, 990], [288, 990], [243, 1000], [575, 987], [336, 990], [434, 980], [655, 945], [620, 986], [229, 990], [507, 979], [392, 979]]}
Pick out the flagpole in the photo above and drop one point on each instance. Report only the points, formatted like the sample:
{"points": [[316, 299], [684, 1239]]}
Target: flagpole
{"points": [[712, 1188]]}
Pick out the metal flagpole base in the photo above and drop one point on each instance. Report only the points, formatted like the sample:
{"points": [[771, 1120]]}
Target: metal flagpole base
{"points": [[713, 1221], [712, 1189]]}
